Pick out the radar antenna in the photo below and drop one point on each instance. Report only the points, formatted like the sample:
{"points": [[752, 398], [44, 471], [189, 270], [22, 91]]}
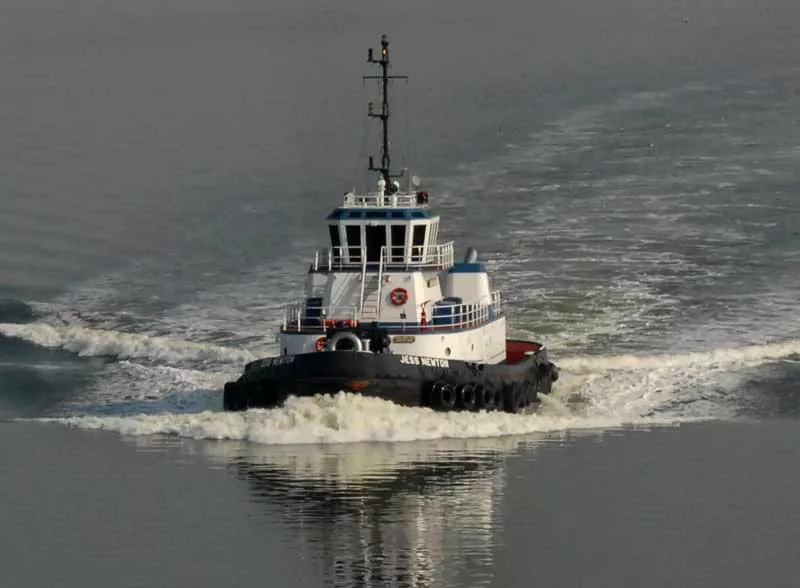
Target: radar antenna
{"points": [[383, 114]]}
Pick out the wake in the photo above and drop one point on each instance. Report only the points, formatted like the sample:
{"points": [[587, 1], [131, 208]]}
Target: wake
{"points": [[594, 392], [744, 356], [341, 418], [88, 342]]}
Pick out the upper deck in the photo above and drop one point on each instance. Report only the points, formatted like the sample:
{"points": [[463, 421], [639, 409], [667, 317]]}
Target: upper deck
{"points": [[379, 199], [384, 228]]}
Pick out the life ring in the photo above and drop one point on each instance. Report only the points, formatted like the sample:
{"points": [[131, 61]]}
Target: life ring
{"points": [[399, 296], [350, 340], [320, 344]]}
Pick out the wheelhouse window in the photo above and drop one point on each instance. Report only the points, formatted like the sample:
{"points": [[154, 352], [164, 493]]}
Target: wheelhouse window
{"points": [[353, 234], [398, 236], [336, 242], [418, 243], [433, 233]]}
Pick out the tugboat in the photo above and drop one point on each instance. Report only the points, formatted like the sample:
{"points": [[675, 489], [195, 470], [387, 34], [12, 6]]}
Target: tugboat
{"points": [[388, 312]]}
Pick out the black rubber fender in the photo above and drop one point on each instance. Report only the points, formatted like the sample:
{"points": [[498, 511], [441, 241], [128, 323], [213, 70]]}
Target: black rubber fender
{"points": [[443, 396], [482, 396], [468, 397], [510, 398]]}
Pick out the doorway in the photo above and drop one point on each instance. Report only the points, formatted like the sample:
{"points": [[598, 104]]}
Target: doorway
{"points": [[375, 238]]}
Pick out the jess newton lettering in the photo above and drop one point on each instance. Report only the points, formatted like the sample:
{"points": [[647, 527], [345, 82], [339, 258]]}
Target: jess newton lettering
{"points": [[424, 361], [273, 361]]}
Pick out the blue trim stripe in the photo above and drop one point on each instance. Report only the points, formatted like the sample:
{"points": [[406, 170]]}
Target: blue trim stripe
{"points": [[467, 268], [378, 214]]}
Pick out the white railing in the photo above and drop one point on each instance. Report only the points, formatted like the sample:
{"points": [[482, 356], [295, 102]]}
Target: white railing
{"points": [[463, 315], [296, 316], [363, 285], [439, 317], [333, 258], [496, 300], [380, 288], [439, 256], [379, 200], [433, 256]]}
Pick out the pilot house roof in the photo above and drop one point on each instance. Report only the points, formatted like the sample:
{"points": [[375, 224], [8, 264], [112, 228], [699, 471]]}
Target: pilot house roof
{"points": [[377, 214]]}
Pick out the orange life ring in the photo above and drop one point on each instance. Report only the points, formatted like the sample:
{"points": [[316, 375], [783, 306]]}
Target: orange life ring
{"points": [[320, 344], [399, 296]]}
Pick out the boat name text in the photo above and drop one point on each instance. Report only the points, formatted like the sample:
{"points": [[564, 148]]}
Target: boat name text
{"points": [[272, 361], [425, 361]]}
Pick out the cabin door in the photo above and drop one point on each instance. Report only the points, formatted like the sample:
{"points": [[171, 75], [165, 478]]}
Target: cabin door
{"points": [[375, 239]]}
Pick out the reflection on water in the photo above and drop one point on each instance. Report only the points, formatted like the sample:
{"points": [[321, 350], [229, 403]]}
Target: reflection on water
{"points": [[408, 514]]}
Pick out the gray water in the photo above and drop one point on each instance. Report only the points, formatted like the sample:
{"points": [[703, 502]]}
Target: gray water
{"points": [[627, 170]]}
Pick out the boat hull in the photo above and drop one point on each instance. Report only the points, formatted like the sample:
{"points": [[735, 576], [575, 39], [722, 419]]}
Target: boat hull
{"points": [[407, 380]]}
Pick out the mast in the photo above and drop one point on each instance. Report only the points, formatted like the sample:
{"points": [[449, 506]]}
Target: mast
{"points": [[383, 114]]}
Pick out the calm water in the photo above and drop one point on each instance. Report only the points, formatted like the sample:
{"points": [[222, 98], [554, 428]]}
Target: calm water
{"points": [[627, 170]]}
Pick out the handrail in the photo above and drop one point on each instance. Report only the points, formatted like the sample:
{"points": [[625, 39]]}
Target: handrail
{"points": [[439, 256], [382, 200], [295, 315], [442, 316], [464, 314], [363, 279], [380, 283]]}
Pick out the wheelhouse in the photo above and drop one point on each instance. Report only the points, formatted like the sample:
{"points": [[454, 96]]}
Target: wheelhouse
{"points": [[375, 229]]}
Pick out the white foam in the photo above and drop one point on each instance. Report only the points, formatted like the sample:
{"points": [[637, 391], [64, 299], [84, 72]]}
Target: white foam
{"points": [[244, 311], [743, 356], [341, 418], [593, 393], [698, 385], [88, 342], [127, 387]]}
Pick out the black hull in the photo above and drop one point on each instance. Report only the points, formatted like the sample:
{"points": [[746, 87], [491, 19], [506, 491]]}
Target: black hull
{"points": [[406, 380]]}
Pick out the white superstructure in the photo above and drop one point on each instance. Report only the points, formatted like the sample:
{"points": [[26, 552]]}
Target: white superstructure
{"points": [[385, 265]]}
